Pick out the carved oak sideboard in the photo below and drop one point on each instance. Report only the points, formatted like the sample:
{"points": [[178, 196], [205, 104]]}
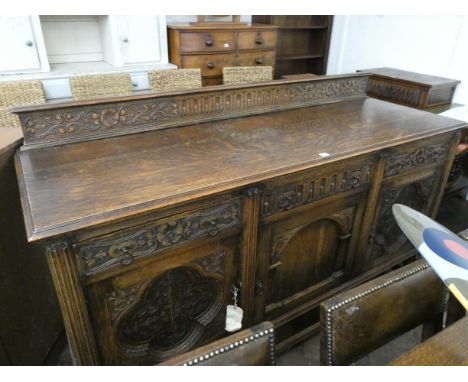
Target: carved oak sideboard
{"points": [[152, 207]]}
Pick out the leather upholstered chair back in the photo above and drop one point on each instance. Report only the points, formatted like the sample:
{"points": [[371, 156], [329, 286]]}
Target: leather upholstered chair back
{"points": [[251, 347], [360, 320]]}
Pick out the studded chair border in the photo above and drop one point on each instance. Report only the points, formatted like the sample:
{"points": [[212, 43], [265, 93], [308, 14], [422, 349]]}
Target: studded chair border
{"points": [[330, 310]]}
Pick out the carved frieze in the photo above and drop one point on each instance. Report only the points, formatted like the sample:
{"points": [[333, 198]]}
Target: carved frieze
{"points": [[311, 189], [424, 155], [395, 92], [105, 253], [74, 123]]}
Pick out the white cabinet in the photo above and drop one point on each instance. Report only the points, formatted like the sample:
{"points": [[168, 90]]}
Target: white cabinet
{"points": [[30, 43], [140, 39], [21, 45]]}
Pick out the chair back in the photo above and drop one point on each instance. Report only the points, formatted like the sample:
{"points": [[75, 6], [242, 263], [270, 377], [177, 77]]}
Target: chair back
{"points": [[251, 347], [177, 79], [101, 86], [18, 93], [246, 74], [360, 320]]}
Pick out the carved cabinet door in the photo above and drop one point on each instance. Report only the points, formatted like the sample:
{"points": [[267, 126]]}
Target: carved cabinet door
{"points": [[387, 244], [166, 306], [304, 254]]}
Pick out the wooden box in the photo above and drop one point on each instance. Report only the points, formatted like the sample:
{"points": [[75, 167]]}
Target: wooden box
{"points": [[409, 88]]}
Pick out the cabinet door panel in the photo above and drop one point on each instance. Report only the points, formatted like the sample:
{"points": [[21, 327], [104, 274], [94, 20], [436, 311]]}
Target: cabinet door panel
{"points": [[18, 44], [417, 190], [170, 306], [139, 39], [306, 254]]}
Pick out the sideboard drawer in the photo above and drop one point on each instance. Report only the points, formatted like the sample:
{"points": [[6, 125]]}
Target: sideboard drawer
{"points": [[210, 65], [121, 248], [256, 58], [257, 40], [207, 41]]}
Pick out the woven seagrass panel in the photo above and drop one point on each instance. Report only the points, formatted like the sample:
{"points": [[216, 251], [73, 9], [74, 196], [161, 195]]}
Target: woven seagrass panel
{"points": [[18, 93], [101, 86], [246, 74], [176, 79]]}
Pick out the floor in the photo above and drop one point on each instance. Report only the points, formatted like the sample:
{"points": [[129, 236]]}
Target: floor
{"points": [[453, 214]]}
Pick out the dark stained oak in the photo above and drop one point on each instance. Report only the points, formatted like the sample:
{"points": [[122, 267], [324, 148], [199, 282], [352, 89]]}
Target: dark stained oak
{"points": [[153, 207], [93, 183]]}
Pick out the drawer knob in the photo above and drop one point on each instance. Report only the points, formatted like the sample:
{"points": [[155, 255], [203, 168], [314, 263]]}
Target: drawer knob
{"points": [[259, 61], [125, 39], [209, 42], [29, 43], [210, 65], [259, 41]]}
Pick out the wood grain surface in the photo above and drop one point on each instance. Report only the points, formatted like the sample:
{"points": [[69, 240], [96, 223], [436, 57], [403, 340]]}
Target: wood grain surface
{"points": [[80, 185]]}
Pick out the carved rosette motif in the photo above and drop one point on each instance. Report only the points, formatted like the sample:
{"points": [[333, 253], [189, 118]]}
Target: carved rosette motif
{"points": [[387, 237], [213, 264], [394, 92], [293, 195], [105, 253], [170, 316], [115, 118], [424, 155]]}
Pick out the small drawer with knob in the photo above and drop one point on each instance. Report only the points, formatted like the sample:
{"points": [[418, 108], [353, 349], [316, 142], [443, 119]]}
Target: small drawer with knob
{"points": [[207, 41], [210, 64], [256, 59], [257, 40]]}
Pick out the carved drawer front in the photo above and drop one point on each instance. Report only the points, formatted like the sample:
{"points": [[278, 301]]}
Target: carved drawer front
{"points": [[426, 153], [312, 188], [386, 241], [123, 247], [257, 40], [305, 255], [165, 308], [207, 41]]}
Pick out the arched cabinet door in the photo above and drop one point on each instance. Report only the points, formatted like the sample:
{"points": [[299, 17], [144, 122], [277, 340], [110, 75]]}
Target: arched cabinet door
{"points": [[173, 303], [304, 254]]}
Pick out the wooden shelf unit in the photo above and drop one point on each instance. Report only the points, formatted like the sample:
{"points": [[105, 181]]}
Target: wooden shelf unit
{"points": [[303, 42]]}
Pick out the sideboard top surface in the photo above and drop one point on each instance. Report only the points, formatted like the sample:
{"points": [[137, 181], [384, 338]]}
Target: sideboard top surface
{"points": [[75, 186]]}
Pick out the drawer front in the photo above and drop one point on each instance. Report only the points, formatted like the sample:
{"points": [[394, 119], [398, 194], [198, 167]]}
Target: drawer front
{"points": [[427, 152], [123, 247], [310, 188], [210, 65], [257, 40], [207, 41], [256, 58]]}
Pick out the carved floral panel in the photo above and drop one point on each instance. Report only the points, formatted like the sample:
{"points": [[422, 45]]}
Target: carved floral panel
{"points": [[293, 195], [117, 118], [140, 242]]}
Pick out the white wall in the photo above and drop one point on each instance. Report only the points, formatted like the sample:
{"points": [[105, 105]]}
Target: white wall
{"points": [[436, 45]]}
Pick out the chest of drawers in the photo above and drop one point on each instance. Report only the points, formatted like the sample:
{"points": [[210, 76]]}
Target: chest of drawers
{"points": [[213, 47]]}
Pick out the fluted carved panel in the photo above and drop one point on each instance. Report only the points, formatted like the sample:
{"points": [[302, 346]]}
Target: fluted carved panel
{"points": [[72, 123], [289, 196], [102, 254]]}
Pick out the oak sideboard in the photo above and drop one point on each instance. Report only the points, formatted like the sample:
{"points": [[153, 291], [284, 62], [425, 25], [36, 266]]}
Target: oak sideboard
{"points": [[151, 208]]}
